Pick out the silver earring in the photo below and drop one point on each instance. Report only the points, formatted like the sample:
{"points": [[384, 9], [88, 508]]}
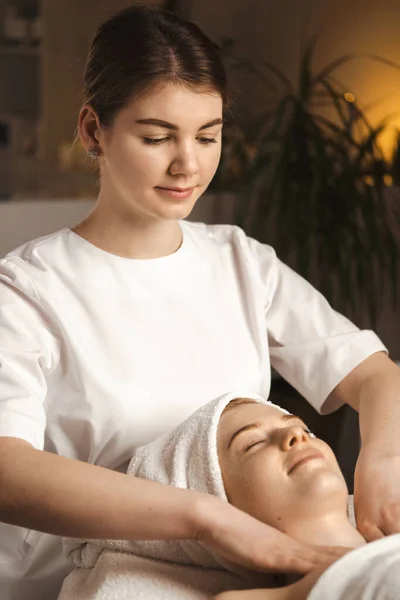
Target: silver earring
{"points": [[93, 153]]}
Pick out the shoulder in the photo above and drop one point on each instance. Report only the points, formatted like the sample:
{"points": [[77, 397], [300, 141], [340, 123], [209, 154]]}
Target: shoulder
{"points": [[31, 260], [44, 245], [210, 232], [216, 232], [232, 235], [229, 245], [25, 277]]}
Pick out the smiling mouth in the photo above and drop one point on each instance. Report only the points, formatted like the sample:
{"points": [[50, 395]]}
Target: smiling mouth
{"points": [[304, 458], [172, 189]]}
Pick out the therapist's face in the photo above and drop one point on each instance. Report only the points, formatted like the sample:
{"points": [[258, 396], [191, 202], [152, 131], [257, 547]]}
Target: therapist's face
{"points": [[169, 138], [273, 469]]}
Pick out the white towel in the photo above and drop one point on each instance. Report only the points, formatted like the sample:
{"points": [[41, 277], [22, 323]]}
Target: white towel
{"points": [[120, 576], [371, 572], [350, 511], [112, 569]]}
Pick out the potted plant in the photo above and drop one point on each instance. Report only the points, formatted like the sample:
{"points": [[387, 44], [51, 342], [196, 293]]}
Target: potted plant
{"points": [[317, 187]]}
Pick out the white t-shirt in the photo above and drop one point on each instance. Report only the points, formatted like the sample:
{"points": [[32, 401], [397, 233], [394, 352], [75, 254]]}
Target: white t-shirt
{"points": [[100, 354]]}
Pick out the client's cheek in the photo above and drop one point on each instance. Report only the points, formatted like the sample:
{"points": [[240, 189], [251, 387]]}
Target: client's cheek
{"points": [[233, 489], [251, 491], [237, 485], [331, 459], [228, 477]]}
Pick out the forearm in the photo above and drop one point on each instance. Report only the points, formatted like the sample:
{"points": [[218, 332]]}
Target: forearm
{"points": [[373, 389], [379, 410], [57, 495]]}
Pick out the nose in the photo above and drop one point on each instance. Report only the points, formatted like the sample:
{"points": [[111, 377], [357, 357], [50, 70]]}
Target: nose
{"points": [[185, 162], [294, 436]]}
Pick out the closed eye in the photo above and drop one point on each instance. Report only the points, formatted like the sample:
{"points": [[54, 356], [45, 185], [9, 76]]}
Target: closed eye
{"points": [[253, 444], [308, 431], [265, 440], [158, 141]]}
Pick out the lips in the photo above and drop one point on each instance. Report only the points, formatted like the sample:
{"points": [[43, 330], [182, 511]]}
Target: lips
{"points": [[175, 189], [303, 456]]}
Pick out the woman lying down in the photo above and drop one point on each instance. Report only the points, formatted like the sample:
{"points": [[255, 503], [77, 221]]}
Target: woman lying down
{"points": [[264, 461]]}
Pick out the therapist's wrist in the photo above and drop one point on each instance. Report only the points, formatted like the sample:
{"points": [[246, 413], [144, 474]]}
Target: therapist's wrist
{"points": [[379, 436], [204, 511]]}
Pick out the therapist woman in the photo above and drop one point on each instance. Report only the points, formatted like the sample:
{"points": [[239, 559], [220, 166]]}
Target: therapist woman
{"points": [[115, 331]]}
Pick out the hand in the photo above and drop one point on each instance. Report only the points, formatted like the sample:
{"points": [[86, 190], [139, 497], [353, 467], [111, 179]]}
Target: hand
{"points": [[296, 591], [377, 493], [243, 540]]}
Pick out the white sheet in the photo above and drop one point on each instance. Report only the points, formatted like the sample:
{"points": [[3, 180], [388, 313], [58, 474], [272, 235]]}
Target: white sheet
{"points": [[371, 572]]}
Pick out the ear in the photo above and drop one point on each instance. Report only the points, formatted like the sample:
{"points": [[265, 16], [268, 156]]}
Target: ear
{"points": [[89, 128]]}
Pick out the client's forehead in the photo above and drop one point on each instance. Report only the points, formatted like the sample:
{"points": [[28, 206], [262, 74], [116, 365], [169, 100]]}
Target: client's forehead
{"points": [[239, 414], [244, 406]]}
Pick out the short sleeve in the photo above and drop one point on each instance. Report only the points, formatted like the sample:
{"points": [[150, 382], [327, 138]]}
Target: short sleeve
{"points": [[311, 345], [29, 351]]}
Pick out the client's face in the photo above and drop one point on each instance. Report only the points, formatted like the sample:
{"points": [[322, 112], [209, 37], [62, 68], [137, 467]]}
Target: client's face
{"points": [[273, 469]]}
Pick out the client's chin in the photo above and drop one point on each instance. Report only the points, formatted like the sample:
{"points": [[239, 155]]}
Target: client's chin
{"points": [[316, 472], [318, 494], [319, 489]]}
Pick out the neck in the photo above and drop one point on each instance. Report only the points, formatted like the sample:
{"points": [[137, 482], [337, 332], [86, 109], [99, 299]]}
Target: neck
{"points": [[130, 236], [332, 529]]}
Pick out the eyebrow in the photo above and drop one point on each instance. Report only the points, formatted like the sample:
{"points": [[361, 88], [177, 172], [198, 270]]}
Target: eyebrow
{"points": [[257, 425], [166, 125]]}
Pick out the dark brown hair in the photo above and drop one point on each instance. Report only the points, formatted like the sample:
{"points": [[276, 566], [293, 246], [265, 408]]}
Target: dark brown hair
{"points": [[141, 48]]}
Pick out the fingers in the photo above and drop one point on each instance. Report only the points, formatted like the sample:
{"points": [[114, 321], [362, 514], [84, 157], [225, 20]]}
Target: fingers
{"points": [[371, 532], [390, 528], [391, 518], [287, 563], [305, 559], [333, 551], [386, 523], [326, 555]]}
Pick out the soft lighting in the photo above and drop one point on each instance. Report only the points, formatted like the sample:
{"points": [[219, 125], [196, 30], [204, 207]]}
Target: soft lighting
{"points": [[349, 97], [388, 180], [388, 139], [369, 180]]}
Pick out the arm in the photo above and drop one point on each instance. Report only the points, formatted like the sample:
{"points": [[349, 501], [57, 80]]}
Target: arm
{"points": [[65, 497], [373, 388]]}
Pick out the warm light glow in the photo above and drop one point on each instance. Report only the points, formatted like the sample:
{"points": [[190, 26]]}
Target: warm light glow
{"points": [[388, 139], [369, 180], [388, 180], [349, 97]]}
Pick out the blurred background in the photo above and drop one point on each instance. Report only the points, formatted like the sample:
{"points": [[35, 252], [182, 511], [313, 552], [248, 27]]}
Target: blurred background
{"points": [[311, 160]]}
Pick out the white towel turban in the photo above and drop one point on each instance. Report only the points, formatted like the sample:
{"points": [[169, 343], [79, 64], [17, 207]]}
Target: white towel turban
{"points": [[185, 458]]}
